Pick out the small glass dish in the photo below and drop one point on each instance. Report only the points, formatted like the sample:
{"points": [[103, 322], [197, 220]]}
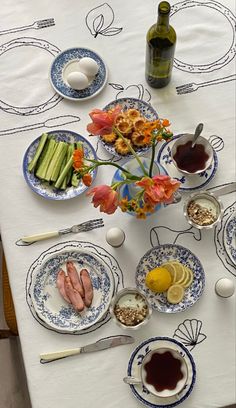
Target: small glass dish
{"points": [[130, 309], [184, 139], [203, 210]]}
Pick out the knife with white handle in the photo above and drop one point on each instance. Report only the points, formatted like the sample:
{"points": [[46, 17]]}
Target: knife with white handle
{"points": [[101, 344]]}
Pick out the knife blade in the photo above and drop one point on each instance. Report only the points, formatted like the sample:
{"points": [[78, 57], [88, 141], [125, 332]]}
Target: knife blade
{"points": [[102, 344]]}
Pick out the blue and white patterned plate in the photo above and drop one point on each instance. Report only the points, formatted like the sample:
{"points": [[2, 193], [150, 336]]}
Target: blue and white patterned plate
{"points": [[101, 254], [144, 108], [66, 62], [230, 237], [140, 392], [188, 183], [43, 188], [158, 255], [51, 306]]}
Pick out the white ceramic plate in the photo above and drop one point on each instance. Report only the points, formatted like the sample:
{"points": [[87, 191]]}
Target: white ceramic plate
{"points": [[140, 392], [65, 63], [230, 237], [164, 253], [43, 188], [188, 182], [101, 254], [50, 305]]}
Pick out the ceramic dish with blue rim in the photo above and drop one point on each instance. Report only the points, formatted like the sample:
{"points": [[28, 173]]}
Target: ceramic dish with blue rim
{"points": [[65, 63], [43, 188], [188, 182], [50, 305], [230, 237], [145, 109], [134, 367], [108, 261], [158, 255]]}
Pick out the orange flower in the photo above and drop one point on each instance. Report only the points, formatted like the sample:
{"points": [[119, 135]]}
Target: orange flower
{"points": [[123, 204], [78, 157], [148, 208], [103, 121], [140, 213], [165, 123], [105, 197], [87, 179]]}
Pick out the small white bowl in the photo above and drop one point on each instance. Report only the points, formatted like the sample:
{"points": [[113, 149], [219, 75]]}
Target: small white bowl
{"points": [[129, 298], [208, 201], [201, 140]]}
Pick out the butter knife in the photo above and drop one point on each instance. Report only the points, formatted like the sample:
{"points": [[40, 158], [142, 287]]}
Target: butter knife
{"points": [[101, 344], [83, 227]]}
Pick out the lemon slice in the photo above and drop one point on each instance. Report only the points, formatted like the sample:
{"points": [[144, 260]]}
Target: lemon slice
{"points": [[189, 278], [179, 271], [170, 268], [175, 294]]}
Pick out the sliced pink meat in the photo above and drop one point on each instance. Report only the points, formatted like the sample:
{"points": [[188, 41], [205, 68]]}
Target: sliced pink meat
{"points": [[61, 284], [74, 277], [88, 287], [73, 295]]}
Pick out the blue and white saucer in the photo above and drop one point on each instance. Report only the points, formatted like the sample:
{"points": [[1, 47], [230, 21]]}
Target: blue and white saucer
{"points": [[107, 260], [66, 62], [50, 305], [134, 367], [188, 182], [45, 189], [230, 237], [158, 255], [145, 109]]}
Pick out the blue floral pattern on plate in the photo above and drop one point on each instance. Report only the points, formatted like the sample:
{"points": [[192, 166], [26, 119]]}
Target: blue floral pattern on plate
{"points": [[144, 108], [104, 258], [43, 188], [230, 237], [156, 257], [188, 183], [141, 393], [50, 305], [61, 86]]}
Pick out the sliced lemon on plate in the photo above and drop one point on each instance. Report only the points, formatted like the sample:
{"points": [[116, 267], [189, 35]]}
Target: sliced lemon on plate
{"points": [[179, 271], [189, 277], [170, 268], [175, 294]]}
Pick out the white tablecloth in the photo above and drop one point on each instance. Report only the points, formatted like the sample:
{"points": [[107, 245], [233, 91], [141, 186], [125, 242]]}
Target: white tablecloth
{"points": [[205, 52]]}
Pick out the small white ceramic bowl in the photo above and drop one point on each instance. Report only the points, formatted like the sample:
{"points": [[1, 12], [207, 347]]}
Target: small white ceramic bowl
{"points": [[130, 298], [208, 201], [200, 140]]}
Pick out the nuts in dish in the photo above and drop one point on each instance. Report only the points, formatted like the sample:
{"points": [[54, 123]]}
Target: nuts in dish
{"points": [[75, 288]]}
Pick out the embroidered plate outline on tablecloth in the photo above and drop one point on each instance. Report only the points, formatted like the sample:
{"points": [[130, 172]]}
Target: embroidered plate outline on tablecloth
{"points": [[134, 91], [231, 19], [96, 250], [53, 100]]}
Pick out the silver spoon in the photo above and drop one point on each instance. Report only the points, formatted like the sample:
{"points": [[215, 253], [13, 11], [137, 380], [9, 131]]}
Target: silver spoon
{"points": [[197, 133]]}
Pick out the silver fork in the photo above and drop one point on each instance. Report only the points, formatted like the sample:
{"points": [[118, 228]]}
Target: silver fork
{"points": [[83, 227], [36, 26], [192, 86]]}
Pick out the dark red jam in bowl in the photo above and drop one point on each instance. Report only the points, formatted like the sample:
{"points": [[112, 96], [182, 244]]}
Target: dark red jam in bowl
{"points": [[191, 159]]}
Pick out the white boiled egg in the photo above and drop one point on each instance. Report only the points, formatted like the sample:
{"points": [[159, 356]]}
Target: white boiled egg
{"points": [[225, 287], [88, 66], [77, 80], [115, 237]]}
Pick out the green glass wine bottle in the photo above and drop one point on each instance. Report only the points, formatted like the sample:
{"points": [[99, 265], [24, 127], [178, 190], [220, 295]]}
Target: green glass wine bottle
{"points": [[160, 49]]}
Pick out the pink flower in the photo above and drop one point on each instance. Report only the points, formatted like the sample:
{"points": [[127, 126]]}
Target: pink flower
{"points": [[106, 197], [102, 121], [158, 189]]}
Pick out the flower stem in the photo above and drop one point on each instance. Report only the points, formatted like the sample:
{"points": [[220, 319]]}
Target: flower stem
{"points": [[131, 150], [152, 158], [103, 163]]}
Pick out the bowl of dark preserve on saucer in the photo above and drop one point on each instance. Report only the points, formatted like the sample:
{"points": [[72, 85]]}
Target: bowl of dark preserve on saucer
{"points": [[192, 160]]}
